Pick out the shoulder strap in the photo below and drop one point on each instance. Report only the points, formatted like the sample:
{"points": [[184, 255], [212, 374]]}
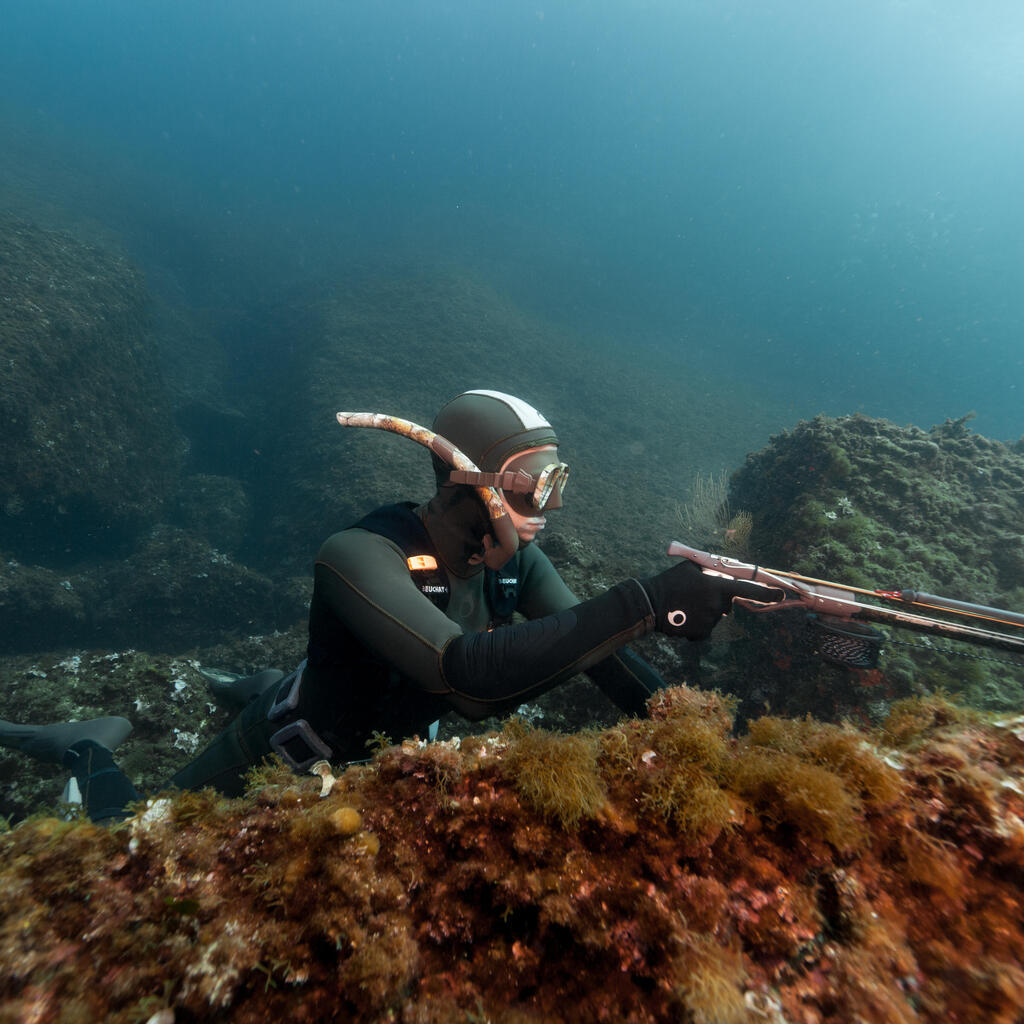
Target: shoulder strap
{"points": [[502, 589], [400, 524]]}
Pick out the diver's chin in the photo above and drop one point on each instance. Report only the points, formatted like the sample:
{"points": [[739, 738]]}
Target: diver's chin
{"points": [[528, 530]]}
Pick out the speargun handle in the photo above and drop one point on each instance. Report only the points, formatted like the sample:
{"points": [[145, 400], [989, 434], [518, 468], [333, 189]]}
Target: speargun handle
{"points": [[814, 599]]}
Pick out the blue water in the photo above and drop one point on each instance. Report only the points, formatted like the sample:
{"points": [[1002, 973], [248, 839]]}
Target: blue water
{"points": [[822, 198]]}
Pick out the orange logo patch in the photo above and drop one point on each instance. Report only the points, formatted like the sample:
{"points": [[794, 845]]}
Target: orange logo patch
{"points": [[421, 562]]}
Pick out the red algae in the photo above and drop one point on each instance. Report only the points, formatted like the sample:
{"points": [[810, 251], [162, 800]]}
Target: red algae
{"points": [[659, 871]]}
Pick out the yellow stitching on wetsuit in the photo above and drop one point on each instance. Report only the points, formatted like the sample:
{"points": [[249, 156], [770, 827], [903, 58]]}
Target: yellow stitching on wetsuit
{"points": [[391, 618]]}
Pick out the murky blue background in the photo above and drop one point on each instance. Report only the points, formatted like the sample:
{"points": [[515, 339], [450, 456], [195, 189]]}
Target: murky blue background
{"points": [[823, 198]]}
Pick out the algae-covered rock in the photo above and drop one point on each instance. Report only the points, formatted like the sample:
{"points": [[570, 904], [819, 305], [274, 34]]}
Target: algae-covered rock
{"points": [[178, 591], [38, 604], [830, 878], [874, 505], [214, 507], [164, 696], [928, 510], [89, 450], [103, 542], [173, 592]]}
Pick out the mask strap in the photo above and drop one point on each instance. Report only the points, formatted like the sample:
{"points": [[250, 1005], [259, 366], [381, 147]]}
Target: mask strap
{"points": [[519, 482]]}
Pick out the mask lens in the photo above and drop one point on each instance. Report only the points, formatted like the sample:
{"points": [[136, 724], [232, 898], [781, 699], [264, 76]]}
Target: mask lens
{"points": [[551, 478]]}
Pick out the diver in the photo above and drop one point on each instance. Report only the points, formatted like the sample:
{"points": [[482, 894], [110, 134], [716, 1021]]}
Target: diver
{"points": [[412, 615]]}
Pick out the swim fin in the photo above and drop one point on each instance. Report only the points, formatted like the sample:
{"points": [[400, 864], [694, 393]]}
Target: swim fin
{"points": [[239, 690], [49, 742]]}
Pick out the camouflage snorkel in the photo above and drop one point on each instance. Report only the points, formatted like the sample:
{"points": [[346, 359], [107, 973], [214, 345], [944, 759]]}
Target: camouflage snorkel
{"points": [[506, 539]]}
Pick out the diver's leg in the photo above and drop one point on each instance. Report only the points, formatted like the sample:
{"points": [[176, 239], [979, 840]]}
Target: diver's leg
{"points": [[85, 748], [48, 742], [106, 790], [244, 743], [292, 719]]}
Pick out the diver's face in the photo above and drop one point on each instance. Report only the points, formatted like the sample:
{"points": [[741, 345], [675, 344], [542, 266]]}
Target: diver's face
{"points": [[527, 520]]}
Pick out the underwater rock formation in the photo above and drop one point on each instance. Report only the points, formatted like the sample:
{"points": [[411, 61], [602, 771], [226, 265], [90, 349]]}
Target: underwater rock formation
{"points": [[214, 507], [942, 508], [661, 870], [865, 502], [89, 449], [91, 469], [173, 592]]}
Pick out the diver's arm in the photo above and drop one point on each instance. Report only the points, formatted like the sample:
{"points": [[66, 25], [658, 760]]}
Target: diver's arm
{"points": [[364, 580], [494, 671], [623, 677]]}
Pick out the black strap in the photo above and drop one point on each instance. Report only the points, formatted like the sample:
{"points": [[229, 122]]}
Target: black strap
{"points": [[401, 525]]}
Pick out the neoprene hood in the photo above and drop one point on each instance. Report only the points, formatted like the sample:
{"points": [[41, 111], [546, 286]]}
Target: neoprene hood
{"points": [[490, 426]]}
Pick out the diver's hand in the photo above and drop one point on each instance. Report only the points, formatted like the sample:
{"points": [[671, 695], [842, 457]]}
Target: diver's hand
{"points": [[689, 602]]}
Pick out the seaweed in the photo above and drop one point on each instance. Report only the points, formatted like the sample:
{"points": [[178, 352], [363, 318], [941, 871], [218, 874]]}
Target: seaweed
{"points": [[555, 774], [840, 886]]}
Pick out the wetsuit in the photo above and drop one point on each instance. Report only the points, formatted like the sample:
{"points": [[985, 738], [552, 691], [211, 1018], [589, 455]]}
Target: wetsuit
{"points": [[383, 656]]}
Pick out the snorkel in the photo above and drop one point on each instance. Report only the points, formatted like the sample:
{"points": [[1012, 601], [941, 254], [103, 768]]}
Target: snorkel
{"points": [[506, 541]]}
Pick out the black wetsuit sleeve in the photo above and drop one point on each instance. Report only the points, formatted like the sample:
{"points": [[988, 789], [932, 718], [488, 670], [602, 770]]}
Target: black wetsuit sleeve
{"points": [[623, 677], [490, 672]]}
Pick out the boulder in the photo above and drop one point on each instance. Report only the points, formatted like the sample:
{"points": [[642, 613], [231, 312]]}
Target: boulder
{"points": [[874, 505]]}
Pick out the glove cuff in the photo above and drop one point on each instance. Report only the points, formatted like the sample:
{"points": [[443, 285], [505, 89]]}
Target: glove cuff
{"points": [[651, 617]]}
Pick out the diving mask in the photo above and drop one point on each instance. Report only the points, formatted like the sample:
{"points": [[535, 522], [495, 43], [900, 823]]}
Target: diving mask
{"points": [[530, 483]]}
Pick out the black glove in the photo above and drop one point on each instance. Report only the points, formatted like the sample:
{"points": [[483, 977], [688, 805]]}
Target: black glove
{"points": [[689, 602]]}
